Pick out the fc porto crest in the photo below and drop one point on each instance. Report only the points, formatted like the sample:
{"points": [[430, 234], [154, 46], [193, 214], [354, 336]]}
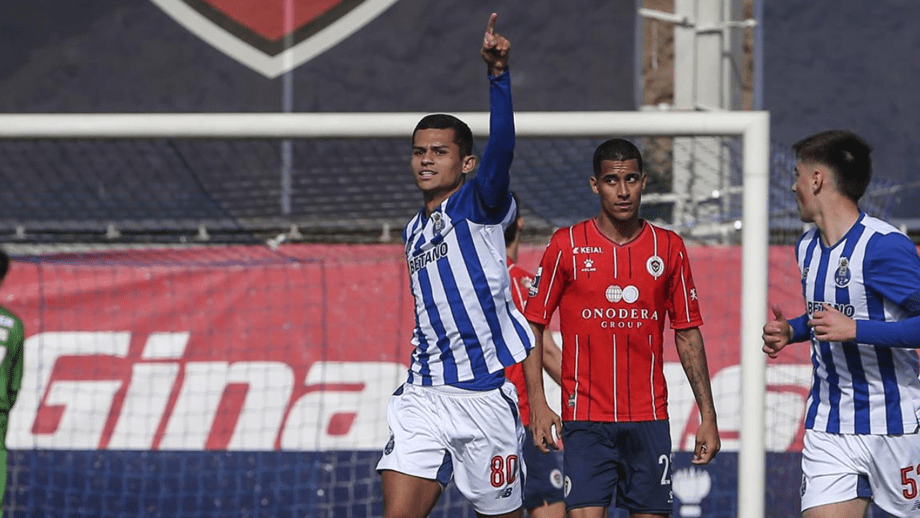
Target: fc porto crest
{"points": [[388, 449], [842, 274], [273, 36]]}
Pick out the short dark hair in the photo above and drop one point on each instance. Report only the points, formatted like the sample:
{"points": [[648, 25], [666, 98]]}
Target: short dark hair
{"points": [[4, 264], [463, 137], [512, 230], [845, 153], [616, 149]]}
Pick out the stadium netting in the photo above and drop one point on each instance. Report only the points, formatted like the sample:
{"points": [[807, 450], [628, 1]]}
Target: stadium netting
{"points": [[214, 326]]}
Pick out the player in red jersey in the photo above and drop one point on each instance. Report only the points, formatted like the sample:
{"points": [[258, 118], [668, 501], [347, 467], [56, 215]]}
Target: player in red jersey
{"points": [[543, 495], [614, 280]]}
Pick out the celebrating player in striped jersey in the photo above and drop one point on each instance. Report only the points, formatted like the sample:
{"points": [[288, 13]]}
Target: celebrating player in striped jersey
{"points": [[615, 279], [543, 495], [11, 352], [456, 416], [861, 282]]}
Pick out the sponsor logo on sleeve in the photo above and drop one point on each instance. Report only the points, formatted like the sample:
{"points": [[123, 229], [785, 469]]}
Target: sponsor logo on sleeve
{"points": [[527, 282], [535, 285]]}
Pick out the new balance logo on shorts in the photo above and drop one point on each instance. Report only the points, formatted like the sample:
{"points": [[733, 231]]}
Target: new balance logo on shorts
{"points": [[505, 493]]}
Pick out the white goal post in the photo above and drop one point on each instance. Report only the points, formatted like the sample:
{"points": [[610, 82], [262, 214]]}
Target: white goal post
{"points": [[751, 127]]}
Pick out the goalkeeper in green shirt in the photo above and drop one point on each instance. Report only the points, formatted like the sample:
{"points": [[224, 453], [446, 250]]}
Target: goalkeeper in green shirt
{"points": [[11, 340]]}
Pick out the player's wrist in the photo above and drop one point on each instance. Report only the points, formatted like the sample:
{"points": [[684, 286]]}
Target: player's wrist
{"points": [[497, 70], [708, 416]]}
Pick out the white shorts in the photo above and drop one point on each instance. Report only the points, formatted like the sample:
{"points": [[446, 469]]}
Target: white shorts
{"points": [[475, 437], [841, 467]]}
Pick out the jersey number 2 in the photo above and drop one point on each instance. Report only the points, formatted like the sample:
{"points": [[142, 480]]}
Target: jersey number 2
{"points": [[664, 459], [504, 471]]}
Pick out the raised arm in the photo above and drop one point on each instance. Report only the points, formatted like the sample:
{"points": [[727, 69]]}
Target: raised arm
{"points": [[493, 180], [693, 359]]}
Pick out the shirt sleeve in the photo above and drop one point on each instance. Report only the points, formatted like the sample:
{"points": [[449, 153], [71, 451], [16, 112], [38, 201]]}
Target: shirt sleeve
{"points": [[493, 178], [684, 307], [894, 270], [548, 285], [521, 282], [800, 330], [904, 334], [894, 274]]}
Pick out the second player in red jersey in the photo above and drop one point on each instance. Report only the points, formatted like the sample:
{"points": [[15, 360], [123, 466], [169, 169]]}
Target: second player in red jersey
{"points": [[615, 280], [613, 302]]}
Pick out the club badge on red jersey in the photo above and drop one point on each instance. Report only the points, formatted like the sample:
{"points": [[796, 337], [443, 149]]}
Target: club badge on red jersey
{"points": [[655, 266]]}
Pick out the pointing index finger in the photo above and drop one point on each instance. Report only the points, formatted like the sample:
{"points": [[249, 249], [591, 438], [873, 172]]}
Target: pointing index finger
{"points": [[490, 29]]}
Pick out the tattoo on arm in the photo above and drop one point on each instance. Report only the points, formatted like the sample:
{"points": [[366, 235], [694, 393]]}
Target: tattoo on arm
{"points": [[693, 360]]}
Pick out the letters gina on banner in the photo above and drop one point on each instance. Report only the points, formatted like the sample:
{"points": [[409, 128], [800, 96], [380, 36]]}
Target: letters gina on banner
{"points": [[165, 401]]}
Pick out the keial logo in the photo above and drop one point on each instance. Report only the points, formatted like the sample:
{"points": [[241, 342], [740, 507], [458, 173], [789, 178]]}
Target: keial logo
{"points": [[691, 485]]}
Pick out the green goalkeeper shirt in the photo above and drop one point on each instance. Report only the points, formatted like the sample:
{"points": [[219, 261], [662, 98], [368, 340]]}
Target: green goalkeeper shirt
{"points": [[11, 352]]}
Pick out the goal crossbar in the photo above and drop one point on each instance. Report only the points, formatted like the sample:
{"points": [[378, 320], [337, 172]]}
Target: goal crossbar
{"points": [[352, 125]]}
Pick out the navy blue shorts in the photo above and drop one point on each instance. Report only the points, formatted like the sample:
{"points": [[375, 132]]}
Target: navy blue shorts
{"points": [[625, 464], [544, 475]]}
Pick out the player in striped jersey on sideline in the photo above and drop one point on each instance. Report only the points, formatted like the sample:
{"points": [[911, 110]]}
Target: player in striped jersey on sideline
{"points": [[615, 279], [861, 282], [457, 416], [543, 496]]}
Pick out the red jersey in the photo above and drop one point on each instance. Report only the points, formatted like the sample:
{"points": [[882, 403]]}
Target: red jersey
{"points": [[521, 281], [612, 301]]}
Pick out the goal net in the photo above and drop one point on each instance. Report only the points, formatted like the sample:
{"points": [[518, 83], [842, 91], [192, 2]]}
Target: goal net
{"points": [[217, 306]]}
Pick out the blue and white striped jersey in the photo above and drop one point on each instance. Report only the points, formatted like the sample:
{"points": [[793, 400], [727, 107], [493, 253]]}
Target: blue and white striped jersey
{"points": [[467, 328], [872, 273]]}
